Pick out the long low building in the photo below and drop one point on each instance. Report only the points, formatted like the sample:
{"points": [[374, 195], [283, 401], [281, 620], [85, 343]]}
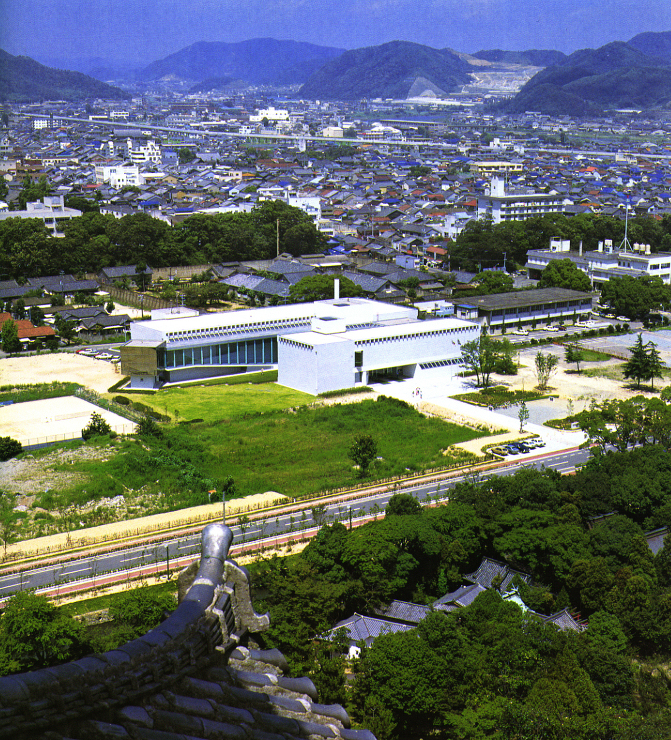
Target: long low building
{"points": [[315, 347], [526, 309]]}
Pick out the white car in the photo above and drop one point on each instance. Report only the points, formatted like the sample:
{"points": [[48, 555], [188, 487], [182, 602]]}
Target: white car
{"points": [[551, 328], [622, 318], [521, 332]]}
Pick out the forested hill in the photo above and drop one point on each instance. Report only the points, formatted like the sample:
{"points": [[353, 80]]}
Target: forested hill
{"points": [[617, 75], [399, 69], [24, 80], [257, 61]]}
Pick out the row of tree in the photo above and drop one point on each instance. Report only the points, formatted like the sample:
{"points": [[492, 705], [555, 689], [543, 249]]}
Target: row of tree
{"points": [[483, 244], [95, 240]]}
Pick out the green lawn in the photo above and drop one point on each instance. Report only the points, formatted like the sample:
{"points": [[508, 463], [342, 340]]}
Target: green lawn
{"points": [[215, 402], [293, 452], [590, 355], [498, 396]]}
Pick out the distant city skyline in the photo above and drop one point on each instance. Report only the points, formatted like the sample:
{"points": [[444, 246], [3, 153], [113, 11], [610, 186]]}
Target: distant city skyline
{"points": [[141, 31]]}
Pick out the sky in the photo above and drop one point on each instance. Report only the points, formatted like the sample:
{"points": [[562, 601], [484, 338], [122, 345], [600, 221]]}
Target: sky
{"points": [[141, 31]]}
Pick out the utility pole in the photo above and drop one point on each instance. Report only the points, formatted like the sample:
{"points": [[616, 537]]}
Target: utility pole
{"points": [[505, 254], [278, 237]]}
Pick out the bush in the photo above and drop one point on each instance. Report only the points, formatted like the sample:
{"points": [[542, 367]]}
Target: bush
{"points": [[122, 400], [9, 447], [97, 427], [148, 427]]}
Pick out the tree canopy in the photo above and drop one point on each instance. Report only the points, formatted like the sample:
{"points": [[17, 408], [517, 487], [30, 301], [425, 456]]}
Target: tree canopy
{"points": [[320, 287], [564, 274]]}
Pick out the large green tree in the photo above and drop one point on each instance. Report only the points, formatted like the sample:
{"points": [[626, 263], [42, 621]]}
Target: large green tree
{"points": [[320, 287], [636, 297], [35, 634], [10, 337], [564, 274]]}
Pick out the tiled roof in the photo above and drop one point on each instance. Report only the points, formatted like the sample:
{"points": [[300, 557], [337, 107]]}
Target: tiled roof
{"points": [[655, 539], [463, 596], [359, 627], [197, 676], [404, 611], [564, 620], [491, 569]]}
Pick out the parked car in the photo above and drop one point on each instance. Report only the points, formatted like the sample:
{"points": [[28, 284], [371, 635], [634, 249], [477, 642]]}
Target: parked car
{"points": [[503, 451], [520, 446], [512, 450], [521, 332], [622, 318]]}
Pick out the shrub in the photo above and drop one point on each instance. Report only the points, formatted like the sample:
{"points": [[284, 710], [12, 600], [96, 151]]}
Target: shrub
{"points": [[148, 427], [122, 400], [9, 447], [97, 427]]}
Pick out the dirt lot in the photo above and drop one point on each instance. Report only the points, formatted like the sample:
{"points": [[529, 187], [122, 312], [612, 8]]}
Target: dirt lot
{"points": [[64, 366]]}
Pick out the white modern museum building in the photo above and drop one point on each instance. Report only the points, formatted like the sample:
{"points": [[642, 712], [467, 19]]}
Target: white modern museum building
{"points": [[315, 347]]}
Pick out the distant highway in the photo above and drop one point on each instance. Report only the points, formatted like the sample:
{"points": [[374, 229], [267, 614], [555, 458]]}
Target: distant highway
{"points": [[90, 571]]}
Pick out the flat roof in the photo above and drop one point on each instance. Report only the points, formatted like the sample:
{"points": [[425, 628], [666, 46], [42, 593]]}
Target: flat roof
{"points": [[525, 298], [352, 310]]}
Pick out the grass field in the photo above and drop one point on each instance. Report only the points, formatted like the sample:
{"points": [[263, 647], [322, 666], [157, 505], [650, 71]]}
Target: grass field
{"points": [[293, 452], [215, 402], [590, 355]]}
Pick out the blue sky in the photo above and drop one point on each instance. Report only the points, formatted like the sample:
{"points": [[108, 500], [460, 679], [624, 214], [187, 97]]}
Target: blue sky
{"points": [[144, 30]]}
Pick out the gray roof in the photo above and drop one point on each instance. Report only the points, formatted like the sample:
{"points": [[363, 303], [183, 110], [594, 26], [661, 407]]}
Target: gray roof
{"points": [[359, 627], [526, 298], [404, 611], [242, 280], [463, 596], [368, 283], [491, 569], [564, 620], [194, 676], [655, 539]]}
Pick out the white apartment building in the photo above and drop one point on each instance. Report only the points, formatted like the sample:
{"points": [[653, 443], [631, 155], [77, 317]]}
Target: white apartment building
{"points": [[499, 206], [143, 152], [273, 115], [52, 211], [119, 174]]}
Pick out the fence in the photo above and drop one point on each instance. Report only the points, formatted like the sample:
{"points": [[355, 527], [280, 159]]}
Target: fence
{"points": [[137, 300], [53, 438]]}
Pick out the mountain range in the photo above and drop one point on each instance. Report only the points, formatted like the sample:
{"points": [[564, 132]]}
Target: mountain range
{"points": [[257, 61], [22, 80], [633, 74]]}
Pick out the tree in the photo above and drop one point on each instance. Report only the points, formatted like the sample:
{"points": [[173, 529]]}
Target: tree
{"points": [[564, 274], [141, 609], [320, 287], [147, 427], [185, 155], [655, 364], [523, 415], [402, 504], [638, 364], [9, 447], [492, 281], [573, 354], [479, 356], [10, 337], [362, 452], [97, 427], [35, 634], [636, 297], [546, 366]]}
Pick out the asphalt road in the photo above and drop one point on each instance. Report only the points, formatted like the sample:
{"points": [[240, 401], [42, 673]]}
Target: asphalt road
{"points": [[265, 530]]}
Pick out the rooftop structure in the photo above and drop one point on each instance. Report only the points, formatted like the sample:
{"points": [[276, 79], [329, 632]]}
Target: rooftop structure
{"points": [[51, 210]]}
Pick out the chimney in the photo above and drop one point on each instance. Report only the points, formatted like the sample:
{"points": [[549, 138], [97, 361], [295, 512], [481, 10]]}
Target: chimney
{"points": [[336, 289]]}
